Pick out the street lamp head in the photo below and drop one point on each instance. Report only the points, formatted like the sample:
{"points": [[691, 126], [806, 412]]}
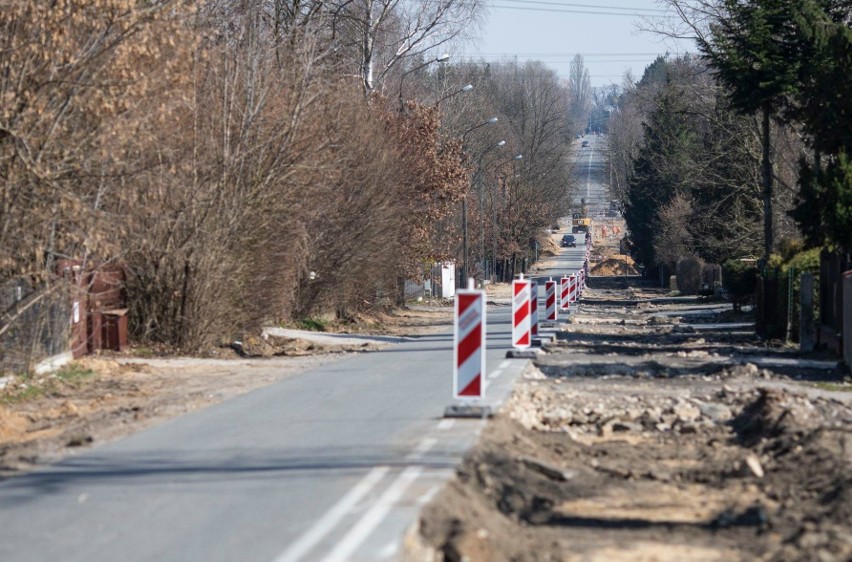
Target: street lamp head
{"points": [[442, 58], [501, 143], [519, 157], [467, 88], [492, 120]]}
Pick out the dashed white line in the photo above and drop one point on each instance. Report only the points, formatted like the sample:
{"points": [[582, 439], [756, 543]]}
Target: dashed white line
{"points": [[446, 424], [422, 448], [496, 373], [375, 515], [427, 497], [589, 175], [505, 364], [332, 517], [389, 550]]}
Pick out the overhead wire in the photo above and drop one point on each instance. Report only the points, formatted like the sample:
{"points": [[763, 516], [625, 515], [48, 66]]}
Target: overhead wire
{"points": [[573, 5], [570, 11], [543, 54]]}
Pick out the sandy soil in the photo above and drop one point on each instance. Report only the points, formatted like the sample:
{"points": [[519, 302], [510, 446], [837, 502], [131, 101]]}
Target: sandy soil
{"points": [[634, 438], [100, 399]]}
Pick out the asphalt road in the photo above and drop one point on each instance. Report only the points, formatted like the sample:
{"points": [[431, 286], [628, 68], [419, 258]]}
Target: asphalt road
{"points": [[330, 464], [590, 175]]}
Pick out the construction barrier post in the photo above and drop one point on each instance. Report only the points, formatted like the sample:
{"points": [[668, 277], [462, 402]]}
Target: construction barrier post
{"points": [[469, 345], [551, 315], [521, 322]]}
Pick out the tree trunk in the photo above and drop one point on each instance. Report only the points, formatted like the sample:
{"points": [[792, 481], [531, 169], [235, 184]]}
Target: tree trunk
{"points": [[767, 188], [367, 49]]}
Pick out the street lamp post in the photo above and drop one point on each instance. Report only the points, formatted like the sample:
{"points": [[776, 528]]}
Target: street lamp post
{"points": [[491, 121], [465, 88], [441, 58], [514, 159], [500, 144]]}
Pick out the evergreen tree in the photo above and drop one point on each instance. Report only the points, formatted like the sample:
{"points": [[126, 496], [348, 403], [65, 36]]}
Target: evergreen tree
{"points": [[753, 56], [823, 37], [660, 170], [728, 209]]}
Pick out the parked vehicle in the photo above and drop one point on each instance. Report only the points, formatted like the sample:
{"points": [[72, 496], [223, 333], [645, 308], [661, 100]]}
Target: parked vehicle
{"points": [[569, 241]]}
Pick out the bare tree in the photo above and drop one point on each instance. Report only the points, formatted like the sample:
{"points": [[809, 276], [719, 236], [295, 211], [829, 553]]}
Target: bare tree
{"points": [[579, 95], [381, 34]]}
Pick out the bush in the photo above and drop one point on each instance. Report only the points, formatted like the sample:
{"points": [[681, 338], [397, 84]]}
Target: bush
{"points": [[803, 262], [739, 278], [689, 276]]}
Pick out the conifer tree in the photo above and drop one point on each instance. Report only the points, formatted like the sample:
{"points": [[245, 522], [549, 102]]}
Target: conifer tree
{"points": [[824, 107], [659, 171], [753, 56]]}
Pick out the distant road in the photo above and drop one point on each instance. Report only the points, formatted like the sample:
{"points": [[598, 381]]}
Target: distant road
{"points": [[590, 175], [327, 465]]}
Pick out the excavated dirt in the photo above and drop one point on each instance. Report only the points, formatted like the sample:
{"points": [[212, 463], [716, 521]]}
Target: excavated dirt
{"points": [[100, 399], [632, 441], [613, 266]]}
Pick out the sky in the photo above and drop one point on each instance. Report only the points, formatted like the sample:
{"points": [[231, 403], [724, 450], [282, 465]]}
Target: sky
{"points": [[605, 32]]}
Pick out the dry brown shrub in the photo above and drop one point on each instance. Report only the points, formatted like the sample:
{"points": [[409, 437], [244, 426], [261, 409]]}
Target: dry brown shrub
{"points": [[78, 77]]}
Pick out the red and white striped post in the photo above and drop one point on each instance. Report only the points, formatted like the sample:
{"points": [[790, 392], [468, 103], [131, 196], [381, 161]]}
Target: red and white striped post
{"points": [[565, 293], [550, 313], [533, 307], [574, 291], [469, 345], [521, 324]]}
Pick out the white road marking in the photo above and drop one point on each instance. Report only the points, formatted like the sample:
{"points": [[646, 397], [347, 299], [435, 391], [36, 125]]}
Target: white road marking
{"points": [[422, 448], [427, 497], [446, 424], [389, 550], [589, 175], [505, 364], [496, 373], [332, 517], [374, 516]]}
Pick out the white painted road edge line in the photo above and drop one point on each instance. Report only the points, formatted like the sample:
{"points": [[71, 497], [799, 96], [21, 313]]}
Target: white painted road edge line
{"points": [[375, 515], [332, 517]]}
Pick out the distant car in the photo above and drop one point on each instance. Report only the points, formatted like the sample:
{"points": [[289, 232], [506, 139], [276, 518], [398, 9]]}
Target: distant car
{"points": [[569, 241], [585, 143], [555, 228]]}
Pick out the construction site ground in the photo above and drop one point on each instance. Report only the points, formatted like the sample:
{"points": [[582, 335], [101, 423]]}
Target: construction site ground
{"points": [[656, 429]]}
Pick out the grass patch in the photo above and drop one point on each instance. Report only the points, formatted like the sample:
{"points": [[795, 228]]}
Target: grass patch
{"points": [[143, 351], [312, 325], [73, 373], [835, 386], [28, 387]]}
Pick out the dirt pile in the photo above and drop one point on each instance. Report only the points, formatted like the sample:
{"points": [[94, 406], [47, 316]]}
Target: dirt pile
{"points": [[548, 246], [615, 472], [614, 265]]}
